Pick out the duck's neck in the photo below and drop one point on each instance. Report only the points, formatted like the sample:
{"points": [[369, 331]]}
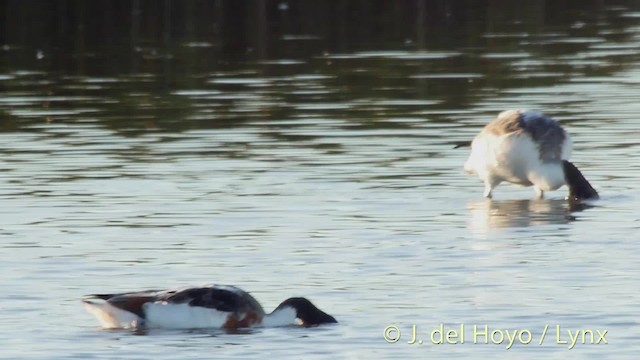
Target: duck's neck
{"points": [[579, 187], [280, 317]]}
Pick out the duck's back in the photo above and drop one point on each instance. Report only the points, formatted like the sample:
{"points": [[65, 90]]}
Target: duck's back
{"points": [[550, 139], [191, 307]]}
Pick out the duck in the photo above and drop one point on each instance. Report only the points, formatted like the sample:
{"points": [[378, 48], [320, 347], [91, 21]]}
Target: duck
{"points": [[210, 306], [527, 148]]}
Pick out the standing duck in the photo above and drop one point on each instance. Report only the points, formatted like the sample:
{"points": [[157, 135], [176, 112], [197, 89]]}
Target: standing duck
{"points": [[527, 148]]}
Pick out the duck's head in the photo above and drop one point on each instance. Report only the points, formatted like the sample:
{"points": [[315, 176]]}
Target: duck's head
{"points": [[308, 313]]}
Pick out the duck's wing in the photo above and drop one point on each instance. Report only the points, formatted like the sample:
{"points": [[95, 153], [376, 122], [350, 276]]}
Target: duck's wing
{"points": [[212, 306], [546, 132], [219, 297]]}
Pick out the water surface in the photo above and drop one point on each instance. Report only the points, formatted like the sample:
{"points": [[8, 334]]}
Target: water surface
{"points": [[323, 168]]}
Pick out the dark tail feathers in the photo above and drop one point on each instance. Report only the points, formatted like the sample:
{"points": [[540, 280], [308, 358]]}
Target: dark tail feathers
{"points": [[579, 187], [461, 144]]}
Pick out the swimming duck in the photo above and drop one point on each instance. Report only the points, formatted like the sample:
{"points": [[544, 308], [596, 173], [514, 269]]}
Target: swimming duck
{"points": [[212, 306], [526, 147]]}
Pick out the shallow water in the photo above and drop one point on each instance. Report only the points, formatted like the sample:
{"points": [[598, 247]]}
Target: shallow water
{"points": [[330, 175]]}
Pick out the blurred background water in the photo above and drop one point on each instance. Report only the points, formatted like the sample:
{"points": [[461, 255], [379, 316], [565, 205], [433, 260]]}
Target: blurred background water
{"points": [[307, 148]]}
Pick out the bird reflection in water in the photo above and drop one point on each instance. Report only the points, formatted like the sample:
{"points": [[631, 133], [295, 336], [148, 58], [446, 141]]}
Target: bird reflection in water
{"points": [[486, 214]]}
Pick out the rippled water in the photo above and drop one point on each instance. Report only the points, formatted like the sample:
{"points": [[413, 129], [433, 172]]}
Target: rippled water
{"points": [[330, 176]]}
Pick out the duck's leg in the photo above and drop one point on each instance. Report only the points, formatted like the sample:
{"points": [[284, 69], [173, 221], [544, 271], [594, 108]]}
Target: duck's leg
{"points": [[489, 184], [487, 191], [539, 193]]}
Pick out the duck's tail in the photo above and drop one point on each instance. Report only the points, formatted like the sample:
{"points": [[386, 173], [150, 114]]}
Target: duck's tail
{"points": [[109, 316]]}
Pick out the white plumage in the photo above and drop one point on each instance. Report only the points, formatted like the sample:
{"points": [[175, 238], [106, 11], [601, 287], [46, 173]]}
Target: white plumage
{"points": [[183, 316], [526, 148]]}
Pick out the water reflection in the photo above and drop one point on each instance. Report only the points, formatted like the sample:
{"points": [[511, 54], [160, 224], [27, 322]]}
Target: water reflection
{"points": [[487, 214], [223, 74], [152, 154]]}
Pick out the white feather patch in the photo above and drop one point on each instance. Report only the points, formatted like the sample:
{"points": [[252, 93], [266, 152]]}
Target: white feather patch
{"points": [[282, 317], [514, 158], [182, 316]]}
